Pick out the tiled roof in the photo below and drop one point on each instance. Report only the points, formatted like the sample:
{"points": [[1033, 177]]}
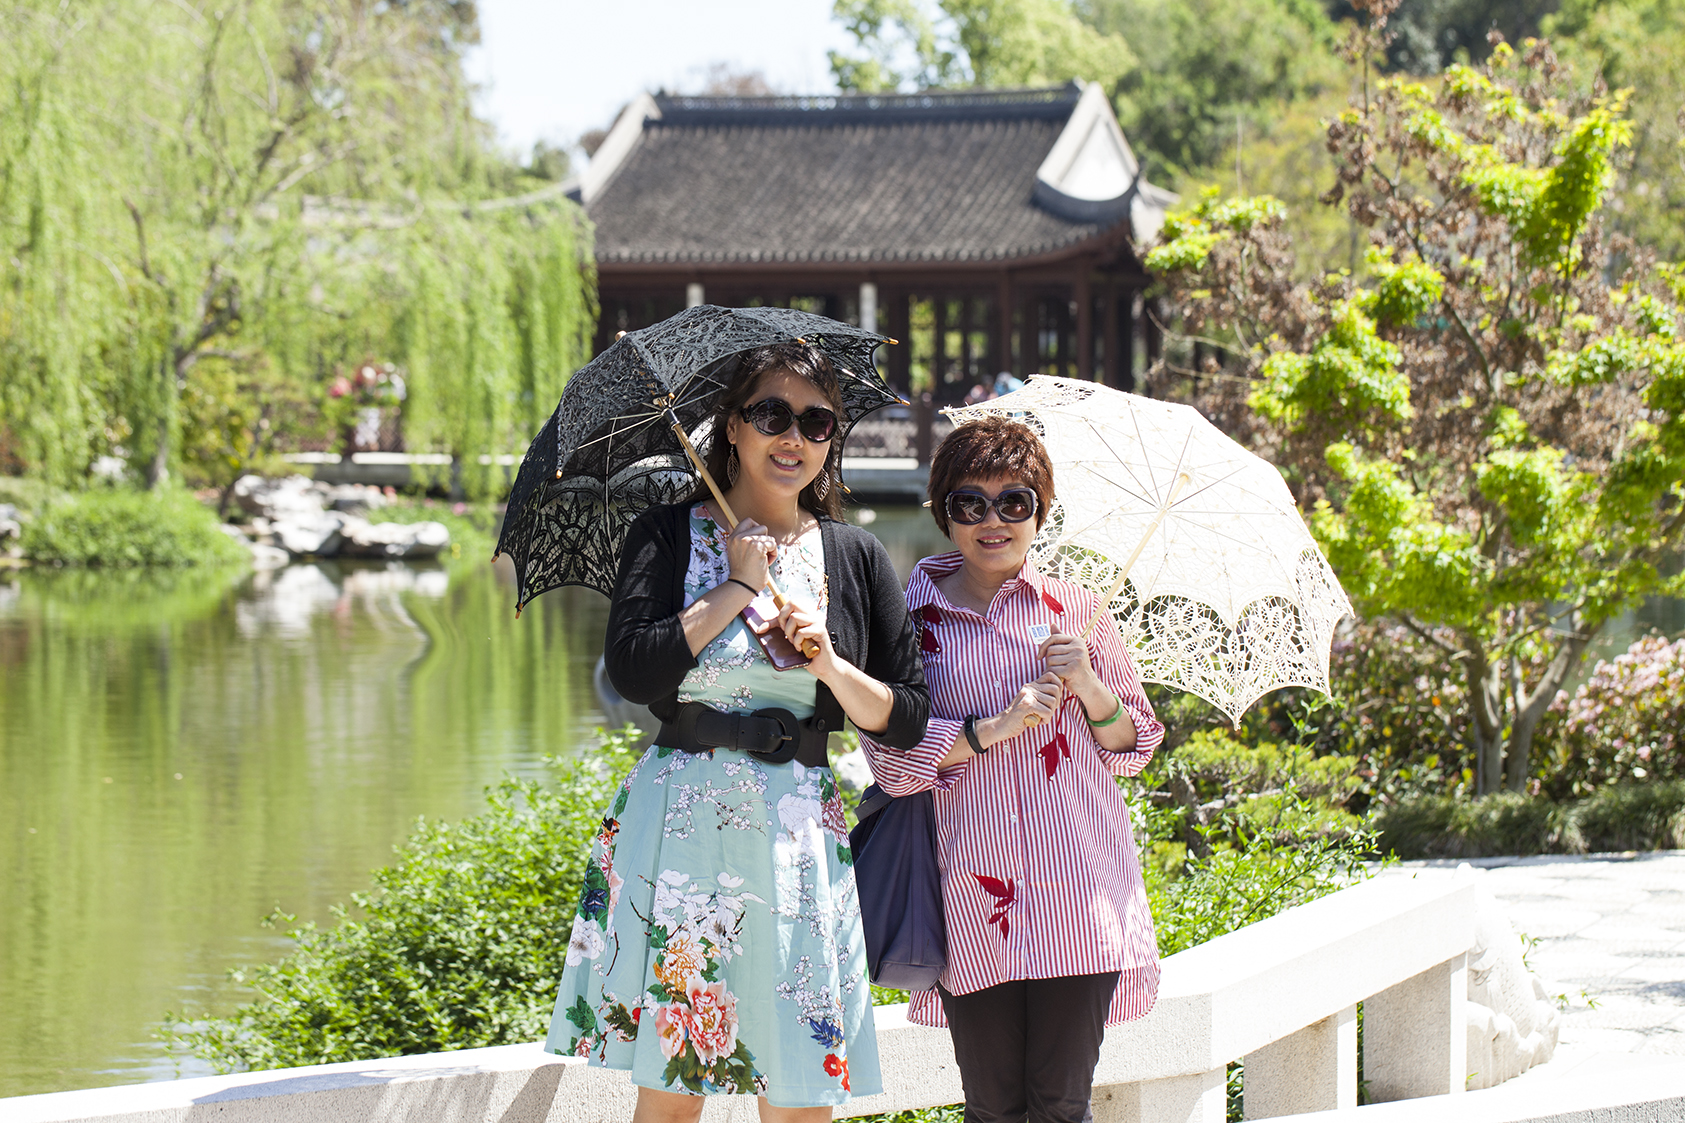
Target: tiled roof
{"points": [[933, 178]]}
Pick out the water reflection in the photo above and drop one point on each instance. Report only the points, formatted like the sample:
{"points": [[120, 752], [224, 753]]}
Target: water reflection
{"points": [[283, 602], [182, 753]]}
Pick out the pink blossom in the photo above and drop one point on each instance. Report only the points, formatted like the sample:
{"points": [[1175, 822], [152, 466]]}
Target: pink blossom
{"points": [[670, 1028], [712, 1023]]}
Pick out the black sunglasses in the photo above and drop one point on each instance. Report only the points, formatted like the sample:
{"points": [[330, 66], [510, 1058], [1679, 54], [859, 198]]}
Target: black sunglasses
{"points": [[968, 508], [770, 417]]}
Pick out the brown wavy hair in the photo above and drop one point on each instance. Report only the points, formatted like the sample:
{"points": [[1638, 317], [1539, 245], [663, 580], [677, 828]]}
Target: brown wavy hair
{"points": [[991, 448], [804, 361]]}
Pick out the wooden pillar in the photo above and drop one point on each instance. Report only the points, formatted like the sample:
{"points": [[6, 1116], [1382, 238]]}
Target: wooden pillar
{"points": [[1126, 340], [1155, 336], [1084, 290], [1110, 342], [1062, 337]]}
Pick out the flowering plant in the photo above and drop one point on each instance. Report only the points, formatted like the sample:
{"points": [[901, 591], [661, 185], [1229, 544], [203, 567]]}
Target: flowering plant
{"points": [[1623, 723], [371, 384]]}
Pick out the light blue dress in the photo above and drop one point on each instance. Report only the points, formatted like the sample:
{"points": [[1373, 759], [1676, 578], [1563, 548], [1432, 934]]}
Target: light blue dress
{"points": [[717, 945]]}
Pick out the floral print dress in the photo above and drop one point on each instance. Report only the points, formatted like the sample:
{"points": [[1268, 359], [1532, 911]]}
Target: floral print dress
{"points": [[717, 945]]}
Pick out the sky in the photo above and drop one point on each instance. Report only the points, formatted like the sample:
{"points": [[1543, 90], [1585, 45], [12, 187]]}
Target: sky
{"points": [[553, 69]]}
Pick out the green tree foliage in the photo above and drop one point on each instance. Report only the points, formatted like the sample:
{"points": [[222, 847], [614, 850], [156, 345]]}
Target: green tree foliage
{"points": [[1426, 36], [906, 44], [282, 184], [1490, 434], [238, 417], [1638, 45], [1209, 76], [1184, 76]]}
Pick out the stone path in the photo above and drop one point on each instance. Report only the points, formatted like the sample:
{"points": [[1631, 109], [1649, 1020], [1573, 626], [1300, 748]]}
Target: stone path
{"points": [[1611, 935]]}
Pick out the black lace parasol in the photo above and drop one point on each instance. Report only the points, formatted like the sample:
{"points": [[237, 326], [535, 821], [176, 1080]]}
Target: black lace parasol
{"points": [[609, 452]]}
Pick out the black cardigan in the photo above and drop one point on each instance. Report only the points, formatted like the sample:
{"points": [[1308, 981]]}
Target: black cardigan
{"points": [[647, 656]]}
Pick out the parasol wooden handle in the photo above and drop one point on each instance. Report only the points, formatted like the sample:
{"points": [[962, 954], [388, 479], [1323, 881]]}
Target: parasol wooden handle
{"points": [[810, 648], [1182, 482]]}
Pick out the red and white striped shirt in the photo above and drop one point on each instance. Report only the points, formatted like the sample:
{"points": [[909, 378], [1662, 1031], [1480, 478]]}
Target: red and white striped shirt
{"points": [[1039, 873]]}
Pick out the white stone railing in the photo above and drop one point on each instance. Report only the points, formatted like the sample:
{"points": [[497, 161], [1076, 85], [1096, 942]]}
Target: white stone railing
{"points": [[1282, 994]]}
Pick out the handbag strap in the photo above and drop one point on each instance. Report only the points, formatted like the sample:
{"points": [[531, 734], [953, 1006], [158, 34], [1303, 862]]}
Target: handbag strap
{"points": [[872, 800]]}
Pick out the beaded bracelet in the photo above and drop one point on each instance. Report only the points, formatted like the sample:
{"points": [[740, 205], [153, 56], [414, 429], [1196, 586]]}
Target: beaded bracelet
{"points": [[1092, 724]]}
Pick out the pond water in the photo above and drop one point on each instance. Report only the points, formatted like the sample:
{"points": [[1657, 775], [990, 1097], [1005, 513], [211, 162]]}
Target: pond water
{"points": [[180, 756]]}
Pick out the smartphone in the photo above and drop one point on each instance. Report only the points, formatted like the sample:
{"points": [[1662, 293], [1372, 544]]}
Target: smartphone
{"points": [[762, 617]]}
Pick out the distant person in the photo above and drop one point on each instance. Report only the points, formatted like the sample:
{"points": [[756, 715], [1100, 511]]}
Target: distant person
{"points": [[1005, 383], [978, 393], [717, 947], [1050, 938]]}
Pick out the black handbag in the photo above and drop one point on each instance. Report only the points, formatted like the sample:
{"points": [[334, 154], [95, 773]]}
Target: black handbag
{"points": [[900, 889]]}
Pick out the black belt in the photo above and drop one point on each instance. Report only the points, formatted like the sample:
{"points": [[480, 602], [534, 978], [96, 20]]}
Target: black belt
{"points": [[770, 735]]}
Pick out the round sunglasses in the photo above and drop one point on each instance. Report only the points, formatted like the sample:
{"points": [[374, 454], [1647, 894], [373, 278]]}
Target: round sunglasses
{"points": [[772, 416], [1014, 505]]}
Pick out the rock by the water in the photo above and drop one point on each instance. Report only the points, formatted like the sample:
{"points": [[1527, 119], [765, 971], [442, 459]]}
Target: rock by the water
{"points": [[307, 518], [308, 535], [290, 496], [10, 527], [363, 539]]}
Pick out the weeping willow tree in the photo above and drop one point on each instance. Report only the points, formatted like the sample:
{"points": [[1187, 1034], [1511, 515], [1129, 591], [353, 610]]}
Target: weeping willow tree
{"points": [[295, 184]]}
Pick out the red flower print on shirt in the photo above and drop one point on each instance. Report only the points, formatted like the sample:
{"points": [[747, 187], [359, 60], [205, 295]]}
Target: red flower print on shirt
{"points": [[931, 616], [1052, 752], [1005, 895], [1053, 606]]}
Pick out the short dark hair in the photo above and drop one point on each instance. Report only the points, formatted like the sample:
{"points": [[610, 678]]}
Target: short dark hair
{"points": [[803, 360], [991, 448]]}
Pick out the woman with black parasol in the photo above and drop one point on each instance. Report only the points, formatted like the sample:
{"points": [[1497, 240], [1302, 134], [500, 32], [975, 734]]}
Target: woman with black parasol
{"points": [[717, 947]]}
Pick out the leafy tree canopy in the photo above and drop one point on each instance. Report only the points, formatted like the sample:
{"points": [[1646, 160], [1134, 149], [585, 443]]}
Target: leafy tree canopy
{"points": [[281, 184], [908, 45], [1490, 430]]}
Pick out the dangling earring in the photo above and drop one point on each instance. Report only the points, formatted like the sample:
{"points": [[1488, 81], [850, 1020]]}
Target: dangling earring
{"points": [[731, 468], [822, 482]]}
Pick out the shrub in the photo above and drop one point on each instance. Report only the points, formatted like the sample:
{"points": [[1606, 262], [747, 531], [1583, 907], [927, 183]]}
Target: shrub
{"points": [[460, 945], [1622, 817], [120, 527], [1509, 823], [1634, 817], [1623, 723]]}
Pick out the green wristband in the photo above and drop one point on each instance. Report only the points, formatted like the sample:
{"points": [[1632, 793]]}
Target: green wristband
{"points": [[1092, 724]]}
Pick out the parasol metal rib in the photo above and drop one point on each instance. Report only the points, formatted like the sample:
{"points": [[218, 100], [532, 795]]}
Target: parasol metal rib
{"points": [[1182, 482], [810, 648]]}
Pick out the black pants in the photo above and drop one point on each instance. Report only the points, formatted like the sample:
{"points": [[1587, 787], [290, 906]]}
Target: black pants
{"points": [[1027, 1049]]}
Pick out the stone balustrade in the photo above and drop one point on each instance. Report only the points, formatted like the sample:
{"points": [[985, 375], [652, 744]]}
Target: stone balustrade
{"points": [[1282, 994]]}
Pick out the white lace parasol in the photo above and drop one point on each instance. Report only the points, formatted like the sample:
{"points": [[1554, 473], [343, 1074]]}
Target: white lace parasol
{"points": [[1229, 597]]}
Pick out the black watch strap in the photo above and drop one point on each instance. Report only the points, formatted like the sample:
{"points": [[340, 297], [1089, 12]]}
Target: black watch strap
{"points": [[971, 735]]}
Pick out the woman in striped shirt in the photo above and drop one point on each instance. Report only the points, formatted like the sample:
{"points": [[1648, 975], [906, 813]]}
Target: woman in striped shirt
{"points": [[1049, 936]]}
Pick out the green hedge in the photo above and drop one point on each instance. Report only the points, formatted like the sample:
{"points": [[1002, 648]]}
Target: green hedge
{"points": [[1617, 818], [120, 527]]}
